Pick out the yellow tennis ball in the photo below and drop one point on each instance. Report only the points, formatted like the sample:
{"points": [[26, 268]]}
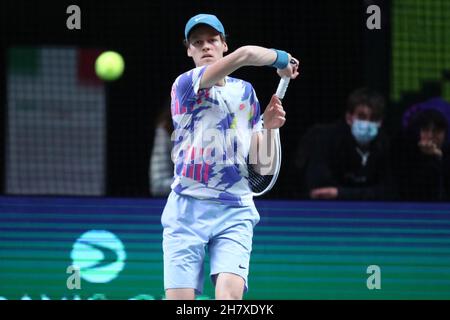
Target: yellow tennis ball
{"points": [[109, 65]]}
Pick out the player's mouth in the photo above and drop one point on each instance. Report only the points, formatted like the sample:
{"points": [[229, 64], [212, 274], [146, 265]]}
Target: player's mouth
{"points": [[207, 56]]}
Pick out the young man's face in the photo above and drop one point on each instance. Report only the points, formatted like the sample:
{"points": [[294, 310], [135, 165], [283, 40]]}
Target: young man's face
{"points": [[361, 112], [205, 45]]}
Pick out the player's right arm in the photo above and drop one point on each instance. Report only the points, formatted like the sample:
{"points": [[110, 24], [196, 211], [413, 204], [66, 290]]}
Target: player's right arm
{"points": [[244, 56]]}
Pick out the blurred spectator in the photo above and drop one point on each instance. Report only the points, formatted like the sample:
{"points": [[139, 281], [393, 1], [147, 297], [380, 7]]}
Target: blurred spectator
{"points": [[161, 165], [436, 103], [348, 159], [422, 160]]}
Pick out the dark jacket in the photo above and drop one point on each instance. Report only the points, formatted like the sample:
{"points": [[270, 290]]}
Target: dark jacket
{"points": [[330, 158]]}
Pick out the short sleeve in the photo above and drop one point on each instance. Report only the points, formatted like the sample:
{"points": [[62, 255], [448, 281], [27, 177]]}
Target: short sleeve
{"points": [[186, 86]]}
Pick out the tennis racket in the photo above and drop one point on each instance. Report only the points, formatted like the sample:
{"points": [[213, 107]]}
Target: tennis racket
{"points": [[259, 183]]}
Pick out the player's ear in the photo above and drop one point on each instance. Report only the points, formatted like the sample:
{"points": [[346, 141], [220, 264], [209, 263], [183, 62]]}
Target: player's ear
{"points": [[349, 118], [189, 53], [225, 47]]}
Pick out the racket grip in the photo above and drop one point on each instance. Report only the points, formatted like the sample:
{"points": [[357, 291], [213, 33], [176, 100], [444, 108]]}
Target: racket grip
{"points": [[282, 87]]}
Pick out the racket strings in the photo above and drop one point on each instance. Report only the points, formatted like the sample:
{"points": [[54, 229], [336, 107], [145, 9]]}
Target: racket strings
{"points": [[261, 184], [258, 182]]}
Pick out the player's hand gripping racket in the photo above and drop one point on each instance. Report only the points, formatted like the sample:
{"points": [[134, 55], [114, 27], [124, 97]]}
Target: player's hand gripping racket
{"points": [[262, 183]]}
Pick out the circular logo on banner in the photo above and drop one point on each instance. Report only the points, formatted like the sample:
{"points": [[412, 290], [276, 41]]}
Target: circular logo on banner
{"points": [[99, 254]]}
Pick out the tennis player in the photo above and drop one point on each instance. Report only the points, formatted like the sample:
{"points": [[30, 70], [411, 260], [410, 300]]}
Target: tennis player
{"points": [[211, 205]]}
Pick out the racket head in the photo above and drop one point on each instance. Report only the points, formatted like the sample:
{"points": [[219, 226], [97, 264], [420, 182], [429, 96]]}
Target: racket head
{"points": [[263, 183]]}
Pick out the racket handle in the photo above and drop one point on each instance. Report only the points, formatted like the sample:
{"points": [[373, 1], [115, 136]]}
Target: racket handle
{"points": [[282, 87]]}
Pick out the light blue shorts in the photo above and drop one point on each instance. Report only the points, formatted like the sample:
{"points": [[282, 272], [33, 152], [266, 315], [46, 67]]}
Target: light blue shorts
{"points": [[192, 225]]}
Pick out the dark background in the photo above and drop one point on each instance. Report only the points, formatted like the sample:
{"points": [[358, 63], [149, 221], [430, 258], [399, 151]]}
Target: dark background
{"points": [[337, 53]]}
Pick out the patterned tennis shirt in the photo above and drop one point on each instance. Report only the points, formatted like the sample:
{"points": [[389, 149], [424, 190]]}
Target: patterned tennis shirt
{"points": [[211, 141]]}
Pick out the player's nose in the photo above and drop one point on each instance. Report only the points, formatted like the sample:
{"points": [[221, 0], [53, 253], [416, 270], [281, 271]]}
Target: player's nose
{"points": [[206, 46]]}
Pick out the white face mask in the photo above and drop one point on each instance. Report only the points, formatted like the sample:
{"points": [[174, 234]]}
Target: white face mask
{"points": [[364, 131]]}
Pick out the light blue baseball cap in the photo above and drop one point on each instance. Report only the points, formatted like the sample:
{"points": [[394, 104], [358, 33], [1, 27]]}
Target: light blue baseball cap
{"points": [[203, 18]]}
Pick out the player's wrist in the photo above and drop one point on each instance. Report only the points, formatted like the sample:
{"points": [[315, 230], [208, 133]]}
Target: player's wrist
{"points": [[282, 60]]}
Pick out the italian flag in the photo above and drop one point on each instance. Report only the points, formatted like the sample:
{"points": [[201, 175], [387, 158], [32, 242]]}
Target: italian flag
{"points": [[56, 122]]}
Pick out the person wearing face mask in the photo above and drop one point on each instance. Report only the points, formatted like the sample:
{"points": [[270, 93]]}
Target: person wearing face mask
{"points": [[422, 160], [348, 159]]}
